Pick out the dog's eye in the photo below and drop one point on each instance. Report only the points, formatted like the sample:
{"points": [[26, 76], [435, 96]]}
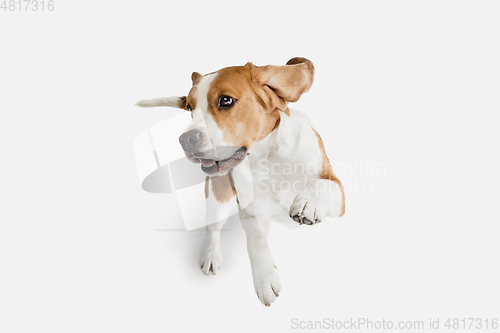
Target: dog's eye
{"points": [[226, 101], [190, 109]]}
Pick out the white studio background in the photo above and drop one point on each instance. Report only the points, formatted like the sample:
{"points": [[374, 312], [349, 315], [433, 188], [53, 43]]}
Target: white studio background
{"points": [[408, 86]]}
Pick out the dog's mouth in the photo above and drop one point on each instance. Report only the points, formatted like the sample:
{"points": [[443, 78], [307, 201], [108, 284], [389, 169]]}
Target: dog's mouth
{"points": [[219, 166]]}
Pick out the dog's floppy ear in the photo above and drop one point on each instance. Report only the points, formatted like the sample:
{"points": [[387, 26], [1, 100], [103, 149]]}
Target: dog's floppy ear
{"points": [[288, 82], [195, 77], [175, 102]]}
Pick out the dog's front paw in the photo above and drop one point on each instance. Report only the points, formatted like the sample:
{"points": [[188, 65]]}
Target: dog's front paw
{"points": [[211, 260], [267, 284], [307, 209]]}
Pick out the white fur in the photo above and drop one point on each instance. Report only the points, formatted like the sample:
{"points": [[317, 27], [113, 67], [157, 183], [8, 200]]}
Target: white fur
{"points": [[292, 146], [211, 257], [265, 274], [203, 121], [166, 101]]}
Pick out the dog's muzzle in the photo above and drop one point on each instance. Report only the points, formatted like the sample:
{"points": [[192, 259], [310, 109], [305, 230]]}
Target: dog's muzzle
{"points": [[190, 140]]}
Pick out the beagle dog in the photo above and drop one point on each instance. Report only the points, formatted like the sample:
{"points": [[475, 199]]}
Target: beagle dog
{"points": [[241, 113]]}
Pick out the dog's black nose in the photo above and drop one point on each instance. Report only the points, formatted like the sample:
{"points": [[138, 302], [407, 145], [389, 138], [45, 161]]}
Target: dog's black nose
{"points": [[189, 140]]}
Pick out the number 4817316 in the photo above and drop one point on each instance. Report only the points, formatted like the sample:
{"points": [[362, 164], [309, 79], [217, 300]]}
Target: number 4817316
{"points": [[27, 5]]}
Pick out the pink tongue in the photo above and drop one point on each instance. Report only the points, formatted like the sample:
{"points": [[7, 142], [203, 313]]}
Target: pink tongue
{"points": [[206, 162]]}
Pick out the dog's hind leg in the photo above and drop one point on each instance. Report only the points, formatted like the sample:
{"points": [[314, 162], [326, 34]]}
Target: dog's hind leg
{"points": [[266, 278]]}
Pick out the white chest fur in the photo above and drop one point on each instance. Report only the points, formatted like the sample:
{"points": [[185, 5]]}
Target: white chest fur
{"points": [[283, 164]]}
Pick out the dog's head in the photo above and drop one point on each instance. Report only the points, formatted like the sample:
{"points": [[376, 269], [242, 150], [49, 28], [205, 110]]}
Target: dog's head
{"points": [[234, 108]]}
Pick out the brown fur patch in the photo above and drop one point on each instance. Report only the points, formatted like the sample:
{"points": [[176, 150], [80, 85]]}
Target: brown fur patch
{"points": [[327, 171], [248, 120], [221, 186], [195, 77], [182, 102], [288, 82], [207, 184]]}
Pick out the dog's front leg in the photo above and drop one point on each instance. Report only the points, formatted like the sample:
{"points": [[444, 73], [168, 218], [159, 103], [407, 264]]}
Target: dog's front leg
{"points": [[266, 279], [219, 204], [211, 258], [320, 198]]}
